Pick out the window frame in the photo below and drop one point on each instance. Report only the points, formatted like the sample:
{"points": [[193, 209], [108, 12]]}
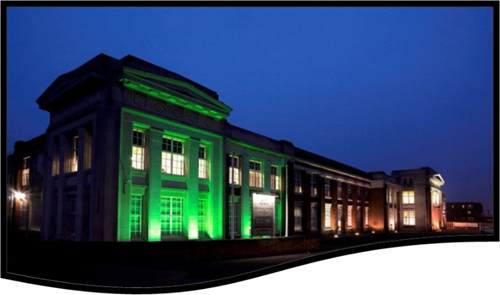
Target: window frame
{"points": [[275, 177], [409, 199], [255, 174], [173, 162], [138, 149]]}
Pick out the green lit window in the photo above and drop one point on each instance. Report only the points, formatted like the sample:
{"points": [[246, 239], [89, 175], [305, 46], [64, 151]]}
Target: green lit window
{"points": [[255, 174], [171, 217], [408, 197], [202, 163], [298, 181], [408, 217], [172, 159], [135, 217], [234, 170], [328, 208], [202, 218], [138, 143], [275, 179]]}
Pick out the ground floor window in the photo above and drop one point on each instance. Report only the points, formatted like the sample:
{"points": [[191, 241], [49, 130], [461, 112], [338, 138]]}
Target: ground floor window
{"points": [[71, 215], [23, 218], [297, 216], [366, 215], [408, 217], [135, 217], [202, 218], [314, 216], [339, 217], [171, 217], [328, 207], [358, 217], [237, 219], [349, 216]]}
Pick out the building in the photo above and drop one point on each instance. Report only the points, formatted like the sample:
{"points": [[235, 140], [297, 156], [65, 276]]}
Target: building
{"points": [[134, 152], [464, 212]]}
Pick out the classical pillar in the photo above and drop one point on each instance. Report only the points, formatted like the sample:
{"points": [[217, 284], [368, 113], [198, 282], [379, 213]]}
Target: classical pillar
{"points": [[191, 200], [152, 204]]}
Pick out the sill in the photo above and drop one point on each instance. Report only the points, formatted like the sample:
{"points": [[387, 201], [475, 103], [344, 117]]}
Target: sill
{"points": [[173, 177]]}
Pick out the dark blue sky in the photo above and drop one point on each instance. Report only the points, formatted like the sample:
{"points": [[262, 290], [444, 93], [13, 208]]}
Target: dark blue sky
{"points": [[379, 89]]}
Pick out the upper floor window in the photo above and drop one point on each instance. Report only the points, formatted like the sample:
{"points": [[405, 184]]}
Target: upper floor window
{"points": [[366, 196], [138, 143], [202, 163], [172, 157], [407, 180], [408, 197], [255, 174], [349, 192], [234, 170], [435, 198], [314, 185], [275, 179], [339, 189], [298, 181], [72, 158], [327, 188], [25, 180]]}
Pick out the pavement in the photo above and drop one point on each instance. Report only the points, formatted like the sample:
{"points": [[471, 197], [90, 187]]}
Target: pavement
{"points": [[65, 272]]}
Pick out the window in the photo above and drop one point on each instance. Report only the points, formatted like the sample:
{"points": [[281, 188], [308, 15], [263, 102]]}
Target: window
{"points": [[172, 157], [23, 218], [234, 170], [328, 208], [202, 163], [366, 196], [327, 188], [255, 174], [407, 180], [314, 216], [202, 218], [297, 216], [349, 192], [435, 198], [135, 217], [55, 163], [171, 217], [358, 194], [366, 215], [408, 197], [298, 181], [349, 216], [314, 185], [358, 217], [88, 149], [74, 155], [25, 178], [339, 190], [275, 179], [389, 196], [138, 143], [339, 216], [237, 220], [408, 217]]}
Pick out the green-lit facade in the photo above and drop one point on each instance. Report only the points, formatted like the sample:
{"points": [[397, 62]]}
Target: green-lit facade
{"points": [[135, 152]]}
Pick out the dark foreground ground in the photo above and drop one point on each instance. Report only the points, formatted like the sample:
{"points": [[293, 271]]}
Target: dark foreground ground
{"points": [[450, 261]]}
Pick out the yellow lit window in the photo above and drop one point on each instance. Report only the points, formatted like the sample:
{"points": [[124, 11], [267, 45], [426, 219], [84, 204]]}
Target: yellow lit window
{"points": [[408, 197]]}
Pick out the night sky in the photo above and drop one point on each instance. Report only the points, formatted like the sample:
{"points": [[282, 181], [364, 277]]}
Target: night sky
{"points": [[379, 89]]}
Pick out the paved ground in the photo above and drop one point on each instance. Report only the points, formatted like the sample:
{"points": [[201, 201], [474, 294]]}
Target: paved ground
{"points": [[193, 275]]}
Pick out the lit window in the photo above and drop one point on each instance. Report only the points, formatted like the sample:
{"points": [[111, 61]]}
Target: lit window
{"points": [[366, 215], [275, 179], [171, 217], [172, 157], [339, 216], [202, 163], [408, 217], [297, 215], [435, 198], [25, 180], [328, 215], [135, 217], [349, 216], [234, 170], [408, 197], [327, 188], [55, 163], [255, 174], [358, 217], [389, 196], [73, 161], [138, 143], [314, 185], [298, 181]]}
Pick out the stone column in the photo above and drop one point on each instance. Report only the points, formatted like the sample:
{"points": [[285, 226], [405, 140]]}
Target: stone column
{"points": [[80, 189], [191, 200], [60, 187], [246, 199], [152, 204]]}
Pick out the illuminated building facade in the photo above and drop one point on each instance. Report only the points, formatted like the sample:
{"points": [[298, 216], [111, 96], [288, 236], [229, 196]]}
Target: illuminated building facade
{"points": [[464, 212], [134, 152]]}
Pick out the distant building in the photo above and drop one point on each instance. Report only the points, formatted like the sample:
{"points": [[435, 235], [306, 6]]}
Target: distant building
{"points": [[134, 152], [464, 212]]}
